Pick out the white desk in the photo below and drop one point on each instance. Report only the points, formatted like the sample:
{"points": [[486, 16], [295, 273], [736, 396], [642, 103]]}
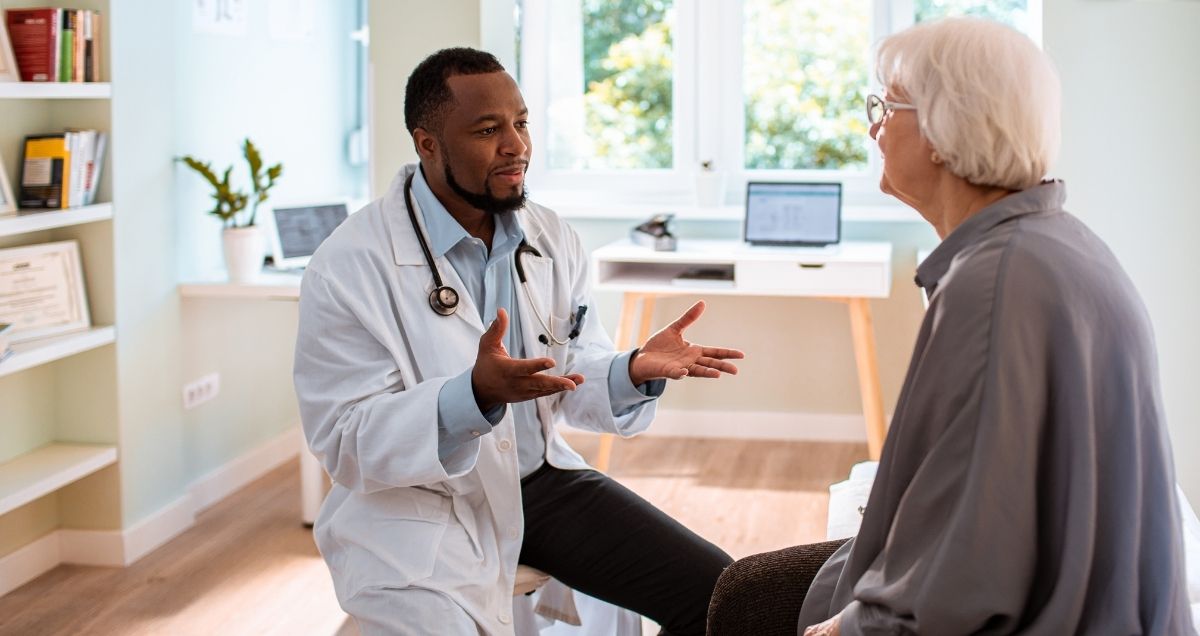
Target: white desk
{"points": [[850, 273]]}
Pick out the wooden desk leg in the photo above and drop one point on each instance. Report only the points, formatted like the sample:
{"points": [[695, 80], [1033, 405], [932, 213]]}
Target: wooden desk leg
{"points": [[629, 308], [863, 333]]}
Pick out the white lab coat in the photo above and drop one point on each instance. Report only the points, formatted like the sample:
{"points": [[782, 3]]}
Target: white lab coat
{"points": [[371, 359]]}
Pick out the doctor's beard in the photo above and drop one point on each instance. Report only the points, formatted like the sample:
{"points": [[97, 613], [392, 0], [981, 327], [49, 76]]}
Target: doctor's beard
{"points": [[487, 201]]}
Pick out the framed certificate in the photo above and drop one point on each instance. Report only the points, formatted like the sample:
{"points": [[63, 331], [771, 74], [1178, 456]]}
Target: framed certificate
{"points": [[8, 204], [41, 290]]}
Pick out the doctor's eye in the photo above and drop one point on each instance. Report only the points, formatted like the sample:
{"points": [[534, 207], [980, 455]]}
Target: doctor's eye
{"points": [[490, 130], [523, 124]]}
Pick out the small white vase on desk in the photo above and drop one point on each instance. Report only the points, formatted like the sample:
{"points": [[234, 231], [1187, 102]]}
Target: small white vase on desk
{"points": [[243, 253], [710, 189]]}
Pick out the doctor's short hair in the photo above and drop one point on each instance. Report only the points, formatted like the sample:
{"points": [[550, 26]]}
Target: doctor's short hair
{"points": [[988, 99], [427, 96]]}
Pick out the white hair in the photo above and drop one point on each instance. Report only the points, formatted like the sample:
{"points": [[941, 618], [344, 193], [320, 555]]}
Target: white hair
{"points": [[988, 99]]}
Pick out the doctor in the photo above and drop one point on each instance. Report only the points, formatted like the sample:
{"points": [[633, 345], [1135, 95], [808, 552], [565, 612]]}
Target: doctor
{"points": [[444, 334]]}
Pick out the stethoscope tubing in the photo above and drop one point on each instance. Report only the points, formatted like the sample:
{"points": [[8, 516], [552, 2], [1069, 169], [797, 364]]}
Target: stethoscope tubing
{"points": [[444, 300]]}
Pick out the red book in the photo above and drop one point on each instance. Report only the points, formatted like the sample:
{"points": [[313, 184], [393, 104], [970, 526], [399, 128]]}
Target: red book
{"points": [[34, 35]]}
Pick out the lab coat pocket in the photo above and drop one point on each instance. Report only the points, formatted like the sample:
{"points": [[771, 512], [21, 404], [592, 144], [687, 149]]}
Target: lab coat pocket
{"points": [[560, 326], [389, 538]]}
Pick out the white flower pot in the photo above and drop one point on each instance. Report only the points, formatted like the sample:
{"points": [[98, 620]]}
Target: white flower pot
{"points": [[710, 189], [243, 253]]}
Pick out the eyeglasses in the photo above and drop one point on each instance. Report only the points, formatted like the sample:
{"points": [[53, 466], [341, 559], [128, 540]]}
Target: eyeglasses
{"points": [[877, 108]]}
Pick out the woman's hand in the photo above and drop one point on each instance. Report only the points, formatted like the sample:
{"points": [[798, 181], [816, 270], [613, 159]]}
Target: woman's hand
{"points": [[830, 627]]}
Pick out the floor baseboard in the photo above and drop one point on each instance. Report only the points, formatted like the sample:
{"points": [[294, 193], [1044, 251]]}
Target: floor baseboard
{"points": [[119, 548]]}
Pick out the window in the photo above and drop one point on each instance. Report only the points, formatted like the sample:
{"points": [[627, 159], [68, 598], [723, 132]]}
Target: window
{"points": [[635, 98], [614, 110]]}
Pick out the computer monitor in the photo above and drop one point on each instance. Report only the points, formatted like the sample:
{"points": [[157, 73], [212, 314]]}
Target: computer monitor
{"points": [[299, 229], [793, 213]]}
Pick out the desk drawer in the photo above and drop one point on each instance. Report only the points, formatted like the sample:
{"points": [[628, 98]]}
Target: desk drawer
{"points": [[812, 279]]}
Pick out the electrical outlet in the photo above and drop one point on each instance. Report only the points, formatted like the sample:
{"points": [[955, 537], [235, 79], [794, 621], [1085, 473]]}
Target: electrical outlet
{"points": [[201, 391]]}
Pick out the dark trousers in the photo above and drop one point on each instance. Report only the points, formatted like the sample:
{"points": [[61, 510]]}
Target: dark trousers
{"points": [[600, 538]]}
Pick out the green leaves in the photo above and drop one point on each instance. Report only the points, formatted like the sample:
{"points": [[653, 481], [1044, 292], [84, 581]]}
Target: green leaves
{"points": [[230, 202], [261, 188]]}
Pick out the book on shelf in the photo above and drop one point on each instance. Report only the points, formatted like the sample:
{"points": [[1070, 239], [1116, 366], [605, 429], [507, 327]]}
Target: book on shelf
{"points": [[55, 45], [62, 170]]}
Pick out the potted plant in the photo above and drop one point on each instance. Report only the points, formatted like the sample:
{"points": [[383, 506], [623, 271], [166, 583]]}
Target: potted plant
{"points": [[241, 239]]}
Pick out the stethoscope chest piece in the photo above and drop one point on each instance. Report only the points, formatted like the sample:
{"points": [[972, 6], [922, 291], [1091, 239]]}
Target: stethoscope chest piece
{"points": [[444, 300]]}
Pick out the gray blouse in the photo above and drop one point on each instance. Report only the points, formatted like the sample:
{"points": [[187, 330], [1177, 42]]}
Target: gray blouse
{"points": [[1026, 485]]}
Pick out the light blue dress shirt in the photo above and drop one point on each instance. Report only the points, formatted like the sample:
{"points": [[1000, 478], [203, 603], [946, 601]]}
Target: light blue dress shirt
{"points": [[488, 280]]}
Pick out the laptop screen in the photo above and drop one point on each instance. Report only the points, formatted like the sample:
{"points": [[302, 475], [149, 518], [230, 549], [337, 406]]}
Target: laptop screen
{"points": [[301, 229], [793, 213]]}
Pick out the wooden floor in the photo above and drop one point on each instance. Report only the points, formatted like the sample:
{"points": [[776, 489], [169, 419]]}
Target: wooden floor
{"points": [[250, 567]]}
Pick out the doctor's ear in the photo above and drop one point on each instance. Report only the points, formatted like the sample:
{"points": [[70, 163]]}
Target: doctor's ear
{"points": [[426, 144]]}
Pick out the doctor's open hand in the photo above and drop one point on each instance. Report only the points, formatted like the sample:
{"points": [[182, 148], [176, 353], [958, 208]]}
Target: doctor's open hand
{"points": [[500, 379], [667, 355]]}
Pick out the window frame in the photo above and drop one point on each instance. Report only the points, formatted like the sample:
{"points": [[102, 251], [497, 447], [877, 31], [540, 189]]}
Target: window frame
{"points": [[704, 112]]}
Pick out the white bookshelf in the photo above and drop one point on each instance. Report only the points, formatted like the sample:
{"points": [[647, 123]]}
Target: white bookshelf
{"points": [[32, 353], [46, 469], [25, 221], [55, 90]]}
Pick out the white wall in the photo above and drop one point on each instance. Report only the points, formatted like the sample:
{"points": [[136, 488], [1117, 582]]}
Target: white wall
{"points": [[1131, 156]]}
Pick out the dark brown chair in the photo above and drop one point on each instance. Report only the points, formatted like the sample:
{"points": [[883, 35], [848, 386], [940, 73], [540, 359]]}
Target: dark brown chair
{"points": [[761, 594]]}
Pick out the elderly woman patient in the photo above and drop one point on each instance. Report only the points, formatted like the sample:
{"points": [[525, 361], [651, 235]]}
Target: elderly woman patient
{"points": [[1026, 486]]}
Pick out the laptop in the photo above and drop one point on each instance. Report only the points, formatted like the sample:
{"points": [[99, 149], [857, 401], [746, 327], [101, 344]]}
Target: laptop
{"points": [[299, 229], [793, 213]]}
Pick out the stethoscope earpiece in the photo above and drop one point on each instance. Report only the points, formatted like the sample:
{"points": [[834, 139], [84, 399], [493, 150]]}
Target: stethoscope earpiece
{"points": [[444, 300]]}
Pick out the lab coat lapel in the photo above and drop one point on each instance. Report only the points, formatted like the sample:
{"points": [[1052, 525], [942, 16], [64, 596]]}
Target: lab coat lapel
{"points": [[407, 252]]}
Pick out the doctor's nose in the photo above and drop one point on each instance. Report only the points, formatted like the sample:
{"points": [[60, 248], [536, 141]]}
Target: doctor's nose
{"points": [[514, 144]]}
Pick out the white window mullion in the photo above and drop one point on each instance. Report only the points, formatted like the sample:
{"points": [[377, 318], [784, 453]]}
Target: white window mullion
{"points": [[1033, 12], [534, 80], [900, 15], [729, 125], [686, 121], [496, 30]]}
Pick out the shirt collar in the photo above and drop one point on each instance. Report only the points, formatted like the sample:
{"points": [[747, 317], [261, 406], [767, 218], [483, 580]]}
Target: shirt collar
{"points": [[445, 231], [1047, 196]]}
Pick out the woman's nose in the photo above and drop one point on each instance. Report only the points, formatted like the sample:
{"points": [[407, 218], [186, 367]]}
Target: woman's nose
{"points": [[874, 131]]}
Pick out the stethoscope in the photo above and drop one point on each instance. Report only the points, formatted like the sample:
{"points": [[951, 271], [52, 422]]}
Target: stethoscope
{"points": [[444, 300]]}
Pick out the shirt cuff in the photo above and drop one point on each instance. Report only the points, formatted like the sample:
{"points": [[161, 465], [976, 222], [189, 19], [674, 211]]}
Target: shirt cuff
{"points": [[459, 419], [621, 390]]}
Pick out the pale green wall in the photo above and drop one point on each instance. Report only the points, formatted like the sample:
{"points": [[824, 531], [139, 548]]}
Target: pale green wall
{"points": [[294, 99], [403, 32], [1131, 83], [144, 125]]}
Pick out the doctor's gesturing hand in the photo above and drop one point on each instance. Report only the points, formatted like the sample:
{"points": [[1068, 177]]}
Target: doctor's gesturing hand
{"points": [[500, 379], [667, 355]]}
